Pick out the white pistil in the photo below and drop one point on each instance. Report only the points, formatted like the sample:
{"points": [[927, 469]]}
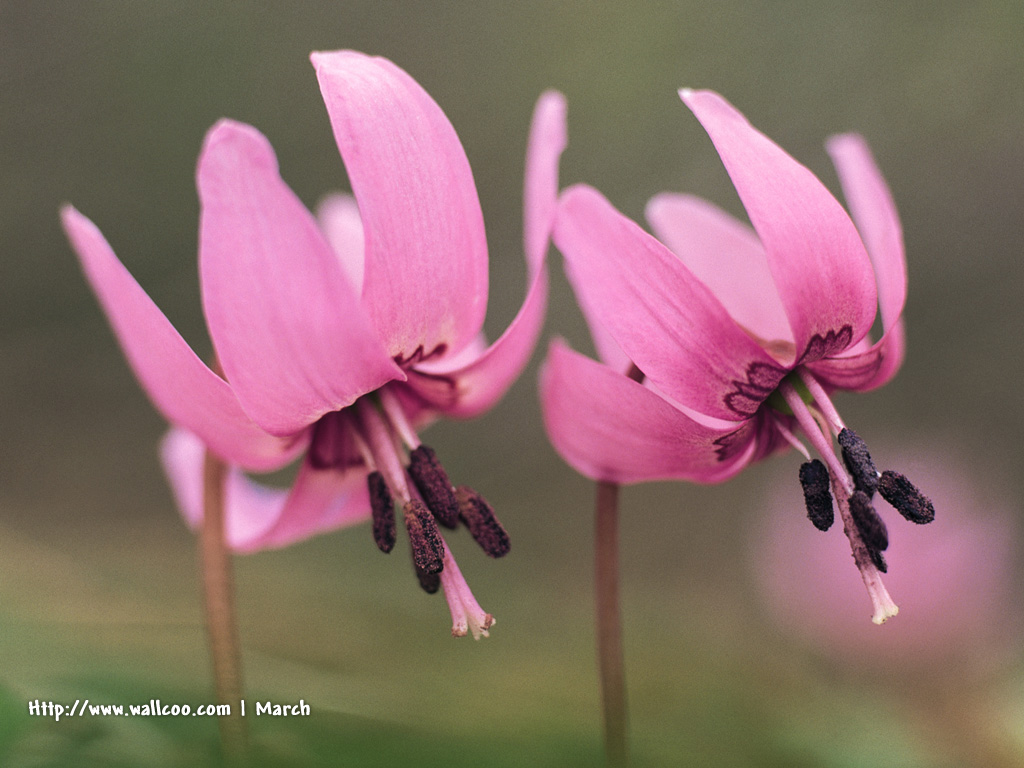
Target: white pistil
{"points": [[881, 602], [467, 615]]}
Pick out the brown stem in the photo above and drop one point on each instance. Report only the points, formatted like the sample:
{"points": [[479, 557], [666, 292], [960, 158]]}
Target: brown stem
{"points": [[610, 660], [221, 627]]}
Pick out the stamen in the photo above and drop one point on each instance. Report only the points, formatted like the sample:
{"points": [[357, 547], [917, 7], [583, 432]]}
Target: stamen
{"points": [[483, 526], [822, 444], [396, 415], [790, 437], [379, 439], [905, 497], [467, 615], [427, 546], [429, 582], [871, 526], [879, 560], [817, 498], [433, 483], [858, 461], [822, 400], [382, 507]]}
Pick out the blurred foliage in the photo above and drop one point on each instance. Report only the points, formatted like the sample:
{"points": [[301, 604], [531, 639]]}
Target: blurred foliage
{"points": [[104, 104]]}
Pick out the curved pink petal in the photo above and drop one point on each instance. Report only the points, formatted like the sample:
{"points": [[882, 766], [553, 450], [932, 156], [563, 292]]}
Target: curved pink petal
{"points": [[662, 317], [338, 216], [867, 369], [179, 384], [608, 427], [548, 139], [425, 282], [287, 325], [479, 384], [875, 214], [727, 257], [818, 262], [258, 517]]}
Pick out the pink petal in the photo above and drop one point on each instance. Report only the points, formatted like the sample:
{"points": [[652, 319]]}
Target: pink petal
{"points": [[727, 257], [817, 259], [548, 140], [608, 427], [258, 517], [875, 214], [181, 387], [867, 369], [426, 253], [338, 216], [662, 317], [479, 383], [286, 323]]}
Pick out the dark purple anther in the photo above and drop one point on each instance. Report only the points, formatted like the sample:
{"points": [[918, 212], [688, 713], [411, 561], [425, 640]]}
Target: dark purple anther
{"points": [[434, 485], [905, 497], [427, 547], [817, 497], [483, 526], [858, 462], [871, 526], [429, 582], [382, 507]]}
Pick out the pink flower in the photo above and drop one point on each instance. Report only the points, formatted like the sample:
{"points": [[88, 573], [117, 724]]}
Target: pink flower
{"points": [[739, 335], [339, 338]]}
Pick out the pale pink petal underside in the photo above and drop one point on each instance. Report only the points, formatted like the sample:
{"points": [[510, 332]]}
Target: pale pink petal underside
{"points": [[874, 212], [259, 517], [287, 325], [818, 262], [667, 322], [483, 381], [608, 427], [338, 216], [727, 257], [180, 385], [425, 282]]}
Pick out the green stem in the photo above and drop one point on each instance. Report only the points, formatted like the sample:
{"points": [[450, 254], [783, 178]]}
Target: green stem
{"points": [[610, 658], [221, 627]]}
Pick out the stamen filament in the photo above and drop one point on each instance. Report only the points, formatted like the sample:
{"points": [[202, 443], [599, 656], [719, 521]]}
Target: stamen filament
{"points": [[817, 438], [396, 415], [790, 438], [821, 399], [382, 448]]}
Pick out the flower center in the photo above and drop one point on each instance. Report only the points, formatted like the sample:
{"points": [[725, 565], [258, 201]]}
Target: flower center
{"points": [[374, 431]]}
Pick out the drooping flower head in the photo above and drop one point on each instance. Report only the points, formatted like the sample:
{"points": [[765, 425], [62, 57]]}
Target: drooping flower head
{"points": [[340, 338], [737, 336]]}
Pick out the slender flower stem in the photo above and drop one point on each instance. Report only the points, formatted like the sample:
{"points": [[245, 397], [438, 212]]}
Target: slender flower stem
{"points": [[221, 626], [610, 657]]}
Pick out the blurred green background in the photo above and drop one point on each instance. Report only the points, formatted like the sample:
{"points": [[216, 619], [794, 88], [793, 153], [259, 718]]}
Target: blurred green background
{"points": [[105, 105]]}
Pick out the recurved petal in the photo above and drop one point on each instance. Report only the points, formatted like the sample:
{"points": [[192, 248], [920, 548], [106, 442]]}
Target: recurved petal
{"points": [[287, 325], [425, 282], [480, 382], [258, 517], [665, 320], [608, 427], [339, 219], [179, 384], [875, 214], [818, 262], [548, 139], [867, 369], [727, 257]]}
